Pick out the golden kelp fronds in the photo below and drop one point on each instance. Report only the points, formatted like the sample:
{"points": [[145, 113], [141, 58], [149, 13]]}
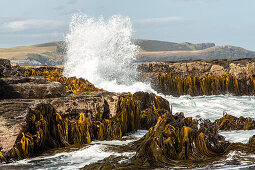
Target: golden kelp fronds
{"points": [[203, 85], [77, 86], [229, 122], [74, 131], [2, 158], [178, 143]]}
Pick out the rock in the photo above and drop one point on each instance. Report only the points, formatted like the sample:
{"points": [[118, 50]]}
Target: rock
{"points": [[97, 104], [7, 70], [5, 67], [217, 70], [26, 88], [12, 116]]}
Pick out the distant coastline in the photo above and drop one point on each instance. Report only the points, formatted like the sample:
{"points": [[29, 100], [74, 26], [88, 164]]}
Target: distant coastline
{"points": [[53, 53]]}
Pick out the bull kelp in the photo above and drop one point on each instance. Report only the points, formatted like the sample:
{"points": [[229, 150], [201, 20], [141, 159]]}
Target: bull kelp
{"points": [[178, 85], [76, 86]]}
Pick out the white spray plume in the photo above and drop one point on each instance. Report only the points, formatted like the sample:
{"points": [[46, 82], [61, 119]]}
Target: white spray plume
{"points": [[102, 52]]}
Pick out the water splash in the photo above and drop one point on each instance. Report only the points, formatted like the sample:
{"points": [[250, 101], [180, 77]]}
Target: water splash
{"points": [[102, 52]]}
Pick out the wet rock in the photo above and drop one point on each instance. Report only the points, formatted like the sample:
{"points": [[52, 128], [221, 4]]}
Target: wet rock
{"points": [[169, 84], [37, 127]]}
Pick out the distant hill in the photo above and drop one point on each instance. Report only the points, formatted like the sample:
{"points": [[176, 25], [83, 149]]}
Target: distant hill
{"points": [[217, 52], [154, 45], [53, 53], [40, 54]]}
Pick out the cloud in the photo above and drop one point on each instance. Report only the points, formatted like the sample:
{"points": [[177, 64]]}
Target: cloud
{"points": [[164, 21], [32, 25], [72, 1], [161, 20], [59, 8], [21, 31]]}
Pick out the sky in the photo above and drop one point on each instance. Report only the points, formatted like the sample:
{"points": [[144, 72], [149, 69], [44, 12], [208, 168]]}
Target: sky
{"points": [[223, 22]]}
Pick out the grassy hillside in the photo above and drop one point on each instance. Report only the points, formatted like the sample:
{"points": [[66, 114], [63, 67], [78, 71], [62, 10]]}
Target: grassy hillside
{"points": [[53, 53], [40, 54]]}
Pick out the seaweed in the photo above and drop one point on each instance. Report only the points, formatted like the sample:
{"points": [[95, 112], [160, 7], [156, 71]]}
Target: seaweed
{"points": [[226, 83]]}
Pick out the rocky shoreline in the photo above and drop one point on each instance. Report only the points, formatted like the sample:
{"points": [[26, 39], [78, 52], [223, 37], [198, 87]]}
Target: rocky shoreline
{"points": [[40, 109]]}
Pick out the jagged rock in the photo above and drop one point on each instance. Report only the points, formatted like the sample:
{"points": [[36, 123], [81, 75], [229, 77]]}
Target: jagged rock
{"points": [[176, 140]]}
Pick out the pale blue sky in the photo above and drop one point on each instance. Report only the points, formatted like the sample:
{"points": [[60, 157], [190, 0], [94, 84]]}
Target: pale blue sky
{"points": [[224, 22]]}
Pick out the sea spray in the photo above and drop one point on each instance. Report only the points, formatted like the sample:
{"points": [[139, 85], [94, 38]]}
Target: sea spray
{"points": [[102, 52]]}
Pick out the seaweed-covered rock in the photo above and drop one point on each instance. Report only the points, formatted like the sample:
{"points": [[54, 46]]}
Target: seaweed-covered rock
{"points": [[44, 126], [152, 106], [229, 122], [177, 85], [175, 138]]}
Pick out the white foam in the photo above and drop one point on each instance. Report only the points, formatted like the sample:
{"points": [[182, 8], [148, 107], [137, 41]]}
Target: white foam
{"points": [[212, 107], [236, 136]]}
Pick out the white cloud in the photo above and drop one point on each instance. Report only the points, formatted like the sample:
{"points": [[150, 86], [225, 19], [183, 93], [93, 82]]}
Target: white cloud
{"points": [[19, 25], [72, 1], [163, 20]]}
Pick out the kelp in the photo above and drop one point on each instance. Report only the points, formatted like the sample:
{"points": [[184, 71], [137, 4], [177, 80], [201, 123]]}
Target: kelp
{"points": [[229, 122], [183, 143], [76, 86], [152, 107], [46, 129], [178, 85], [127, 119]]}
